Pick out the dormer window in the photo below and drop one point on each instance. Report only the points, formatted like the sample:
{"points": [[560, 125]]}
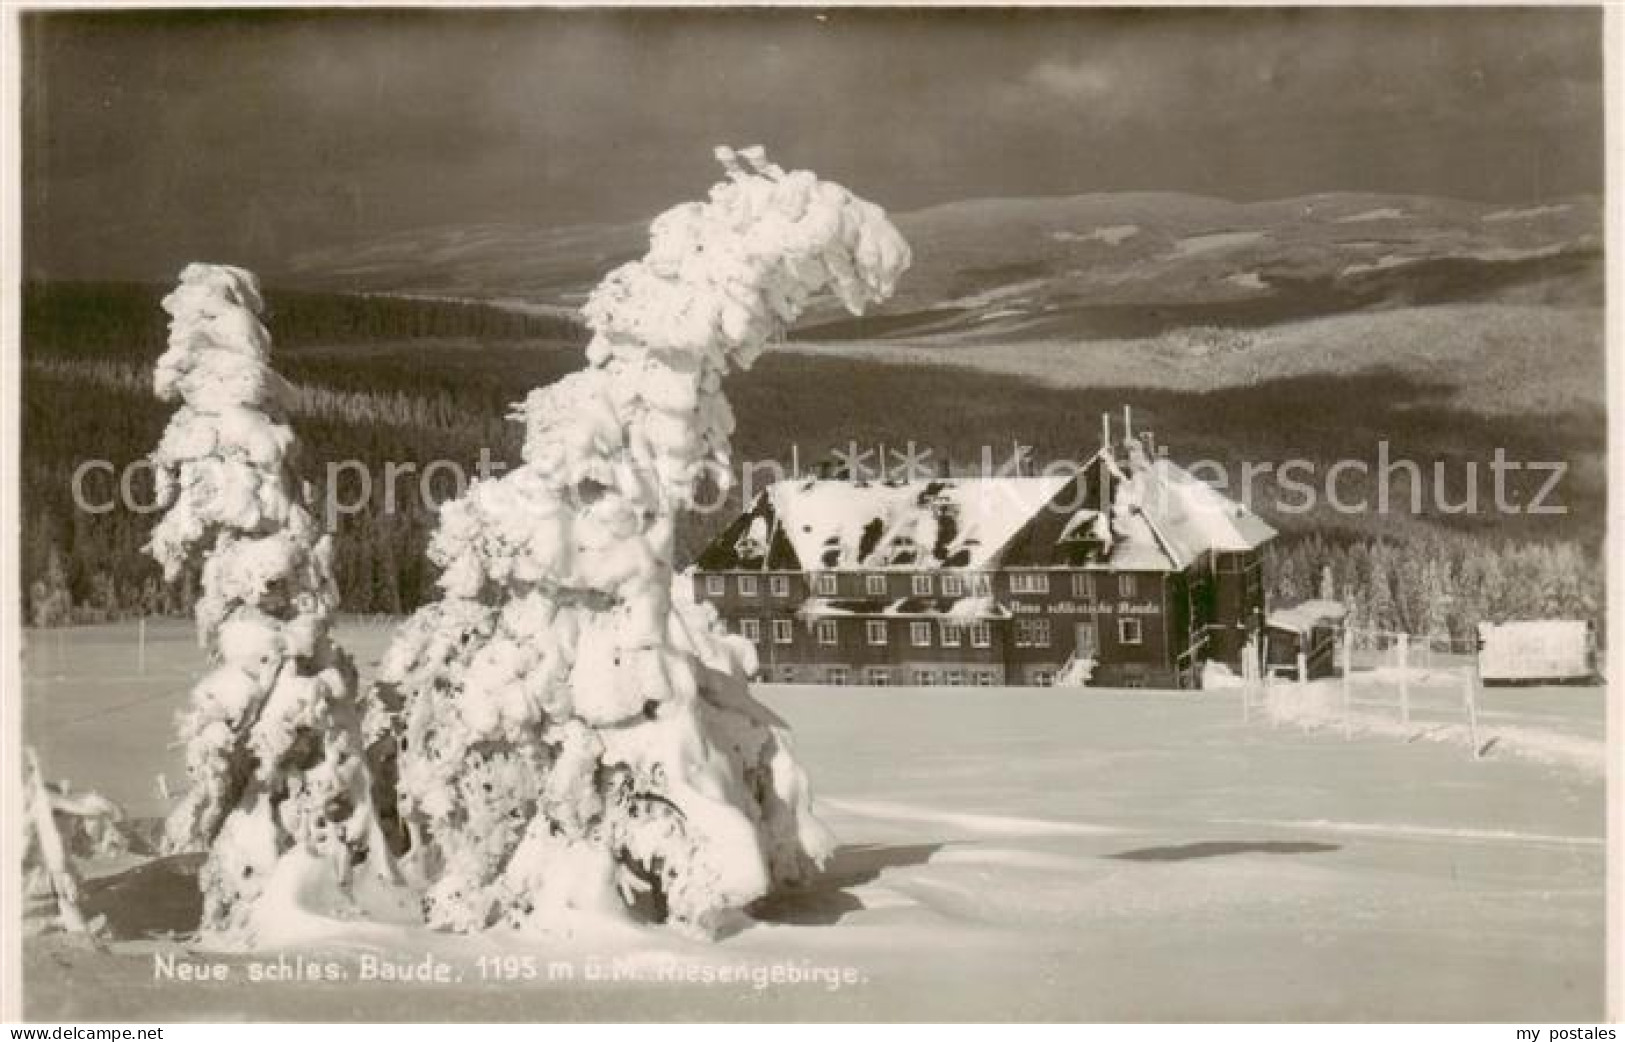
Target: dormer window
{"points": [[752, 544]]}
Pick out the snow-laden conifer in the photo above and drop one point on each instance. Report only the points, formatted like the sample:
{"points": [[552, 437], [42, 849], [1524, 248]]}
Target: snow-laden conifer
{"points": [[280, 795], [576, 732]]}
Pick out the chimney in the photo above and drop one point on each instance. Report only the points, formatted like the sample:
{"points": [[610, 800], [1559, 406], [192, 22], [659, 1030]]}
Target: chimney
{"points": [[1105, 463]]}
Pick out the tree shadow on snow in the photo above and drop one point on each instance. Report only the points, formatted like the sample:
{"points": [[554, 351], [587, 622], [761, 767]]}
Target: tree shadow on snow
{"points": [[1224, 848], [825, 900]]}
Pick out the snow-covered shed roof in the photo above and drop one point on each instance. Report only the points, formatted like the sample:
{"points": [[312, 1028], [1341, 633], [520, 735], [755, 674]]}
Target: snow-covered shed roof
{"points": [[1301, 618]]}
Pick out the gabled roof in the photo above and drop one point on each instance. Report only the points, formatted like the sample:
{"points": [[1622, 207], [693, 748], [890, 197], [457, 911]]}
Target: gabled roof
{"points": [[752, 541], [1193, 516]]}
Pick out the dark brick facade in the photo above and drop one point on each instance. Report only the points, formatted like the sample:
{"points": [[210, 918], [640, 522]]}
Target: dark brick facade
{"points": [[1145, 629]]}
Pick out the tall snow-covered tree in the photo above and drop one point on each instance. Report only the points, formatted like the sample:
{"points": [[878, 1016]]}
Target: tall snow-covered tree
{"points": [[577, 737], [280, 793]]}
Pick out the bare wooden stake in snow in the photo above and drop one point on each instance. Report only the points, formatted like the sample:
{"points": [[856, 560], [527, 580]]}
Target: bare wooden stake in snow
{"points": [[64, 883]]}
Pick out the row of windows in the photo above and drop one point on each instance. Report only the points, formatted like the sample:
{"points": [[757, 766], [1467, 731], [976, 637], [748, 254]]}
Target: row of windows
{"points": [[778, 585], [827, 585], [751, 629], [1030, 633], [949, 634], [1083, 584], [881, 676]]}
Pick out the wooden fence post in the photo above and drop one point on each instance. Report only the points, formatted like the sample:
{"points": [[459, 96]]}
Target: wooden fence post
{"points": [[141, 646], [1470, 689], [1402, 650], [1347, 671]]}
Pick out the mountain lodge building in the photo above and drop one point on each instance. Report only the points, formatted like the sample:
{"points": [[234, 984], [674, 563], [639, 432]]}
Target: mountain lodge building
{"points": [[1124, 572]]}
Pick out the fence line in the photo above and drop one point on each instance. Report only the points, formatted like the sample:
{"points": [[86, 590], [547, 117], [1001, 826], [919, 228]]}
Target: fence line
{"points": [[1409, 663]]}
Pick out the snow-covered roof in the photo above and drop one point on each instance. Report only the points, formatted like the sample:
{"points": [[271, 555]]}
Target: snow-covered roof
{"points": [[1192, 517], [949, 608], [1301, 618], [910, 526], [1160, 518]]}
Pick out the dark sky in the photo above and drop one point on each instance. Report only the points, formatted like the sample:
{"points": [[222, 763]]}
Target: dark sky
{"points": [[154, 137]]}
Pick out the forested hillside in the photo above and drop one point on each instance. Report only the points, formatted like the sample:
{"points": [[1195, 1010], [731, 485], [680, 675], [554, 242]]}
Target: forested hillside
{"points": [[385, 380]]}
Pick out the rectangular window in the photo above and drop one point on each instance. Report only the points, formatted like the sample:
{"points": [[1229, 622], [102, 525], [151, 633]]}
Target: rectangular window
{"points": [[1043, 678], [1126, 586], [1032, 633], [715, 586], [780, 585], [919, 634], [787, 674], [875, 585], [747, 586], [876, 630], [953, 586], [1083, 585], [829, 633], [782, 634], [1128, 631], [952, 634], [984, 678], [877, 676], [954, 678], [981, 635], [922, 586], [981, 586], [828, 586], [924, 678], [750, 629], [1029, 582], [836, 675]]}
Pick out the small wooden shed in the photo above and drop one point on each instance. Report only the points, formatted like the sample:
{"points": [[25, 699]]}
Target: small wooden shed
{"points": [[1300, 642]]}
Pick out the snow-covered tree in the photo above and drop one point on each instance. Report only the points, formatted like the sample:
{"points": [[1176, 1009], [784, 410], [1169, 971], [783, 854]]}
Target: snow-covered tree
{"points": [[577, 737], [279, 786]]}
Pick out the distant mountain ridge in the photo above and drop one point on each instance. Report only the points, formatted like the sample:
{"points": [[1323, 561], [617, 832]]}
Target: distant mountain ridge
{"points": [[1098, 265]]}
